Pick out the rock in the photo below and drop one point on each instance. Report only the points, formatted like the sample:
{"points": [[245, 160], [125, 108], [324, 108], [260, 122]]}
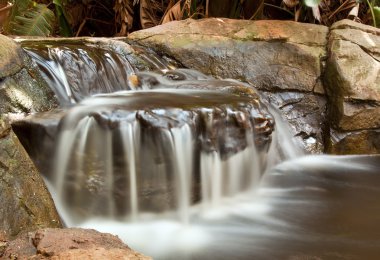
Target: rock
{"points": [[25, 92], [352, 76], [281, 57], [37, 133], [11, 59], [269, 54], [274, 56], [352, 81], [306, 115], [217, 124], [72, 243], [358, 142], [22, 90], [26, 204]]}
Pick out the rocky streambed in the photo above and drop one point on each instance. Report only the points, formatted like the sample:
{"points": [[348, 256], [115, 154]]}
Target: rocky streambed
{"points": [[324, 81]]}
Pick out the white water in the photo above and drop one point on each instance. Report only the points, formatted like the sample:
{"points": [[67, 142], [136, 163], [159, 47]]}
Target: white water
{"points": [[317, 207], [228, 188], [129, 133], [182, 147], [299, 210]]}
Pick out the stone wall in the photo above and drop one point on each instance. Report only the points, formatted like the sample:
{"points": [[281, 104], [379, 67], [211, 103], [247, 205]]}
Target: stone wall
{"points": [[353, 85], [325, 81]]}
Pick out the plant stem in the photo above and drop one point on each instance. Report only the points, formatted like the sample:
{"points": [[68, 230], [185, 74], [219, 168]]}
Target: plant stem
{"points": [[372, 13]]}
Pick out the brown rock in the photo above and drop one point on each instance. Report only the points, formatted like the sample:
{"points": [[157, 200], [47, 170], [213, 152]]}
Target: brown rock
{"points": [[270, 54], [358, 142], [353, 76], [274, 56], [73, 243], [11, 60]]}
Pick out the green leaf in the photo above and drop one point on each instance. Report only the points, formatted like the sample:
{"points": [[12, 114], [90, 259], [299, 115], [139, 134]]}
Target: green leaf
{"points": [[64, 27], [31, 19], [311, 3], [376, 12]]}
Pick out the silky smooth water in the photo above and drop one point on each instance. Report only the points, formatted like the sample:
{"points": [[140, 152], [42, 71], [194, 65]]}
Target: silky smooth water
{"points": [[181, 168]]}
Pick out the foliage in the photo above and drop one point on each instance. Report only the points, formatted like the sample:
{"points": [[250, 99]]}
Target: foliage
{"points": [[31, 18], [374, 7], [64, 27], [119, 17]]}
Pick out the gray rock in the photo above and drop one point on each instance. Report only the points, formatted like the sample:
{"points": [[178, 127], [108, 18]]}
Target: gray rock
{"points": [[26, 204], [25, 92], [306, 115], [37, 133], [22, 90]]}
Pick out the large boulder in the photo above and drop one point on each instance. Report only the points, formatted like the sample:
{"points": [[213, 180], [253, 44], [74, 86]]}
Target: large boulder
{"points": [[73, 243], [270, 54], [26, 204], [353, 85], [281, 58], [22, 90], [292, 64], [11, 60]]}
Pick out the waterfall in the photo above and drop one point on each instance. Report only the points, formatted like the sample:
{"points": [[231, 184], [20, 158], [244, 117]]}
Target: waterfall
{"points": [[184, 166], [128, 161]]}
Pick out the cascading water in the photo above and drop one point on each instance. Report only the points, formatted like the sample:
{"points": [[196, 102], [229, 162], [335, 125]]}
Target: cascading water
{"points": [[172, 166]]}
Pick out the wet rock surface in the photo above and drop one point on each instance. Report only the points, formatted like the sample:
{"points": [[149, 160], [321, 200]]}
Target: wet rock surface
{"points": [[88, 66], [37, 134], [22, 89], [306, 114], [225, 122], [26, 204], [283, 58], [73, 243]]}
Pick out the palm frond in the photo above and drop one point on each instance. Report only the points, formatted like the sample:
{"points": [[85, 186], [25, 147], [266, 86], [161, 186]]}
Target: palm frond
{"points": [[31, 19]]}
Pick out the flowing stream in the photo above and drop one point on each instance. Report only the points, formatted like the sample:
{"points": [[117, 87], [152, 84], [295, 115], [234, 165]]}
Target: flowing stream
{"points": [[183, 166]]}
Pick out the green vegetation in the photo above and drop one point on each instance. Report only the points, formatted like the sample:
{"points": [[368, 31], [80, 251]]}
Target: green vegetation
{"points": [[119, 17], [30, 18]]}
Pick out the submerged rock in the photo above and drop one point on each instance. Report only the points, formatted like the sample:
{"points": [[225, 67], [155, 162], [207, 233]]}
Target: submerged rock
{"points": [[108, 138], [72, 243], [76, 68], [26, 204]]}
